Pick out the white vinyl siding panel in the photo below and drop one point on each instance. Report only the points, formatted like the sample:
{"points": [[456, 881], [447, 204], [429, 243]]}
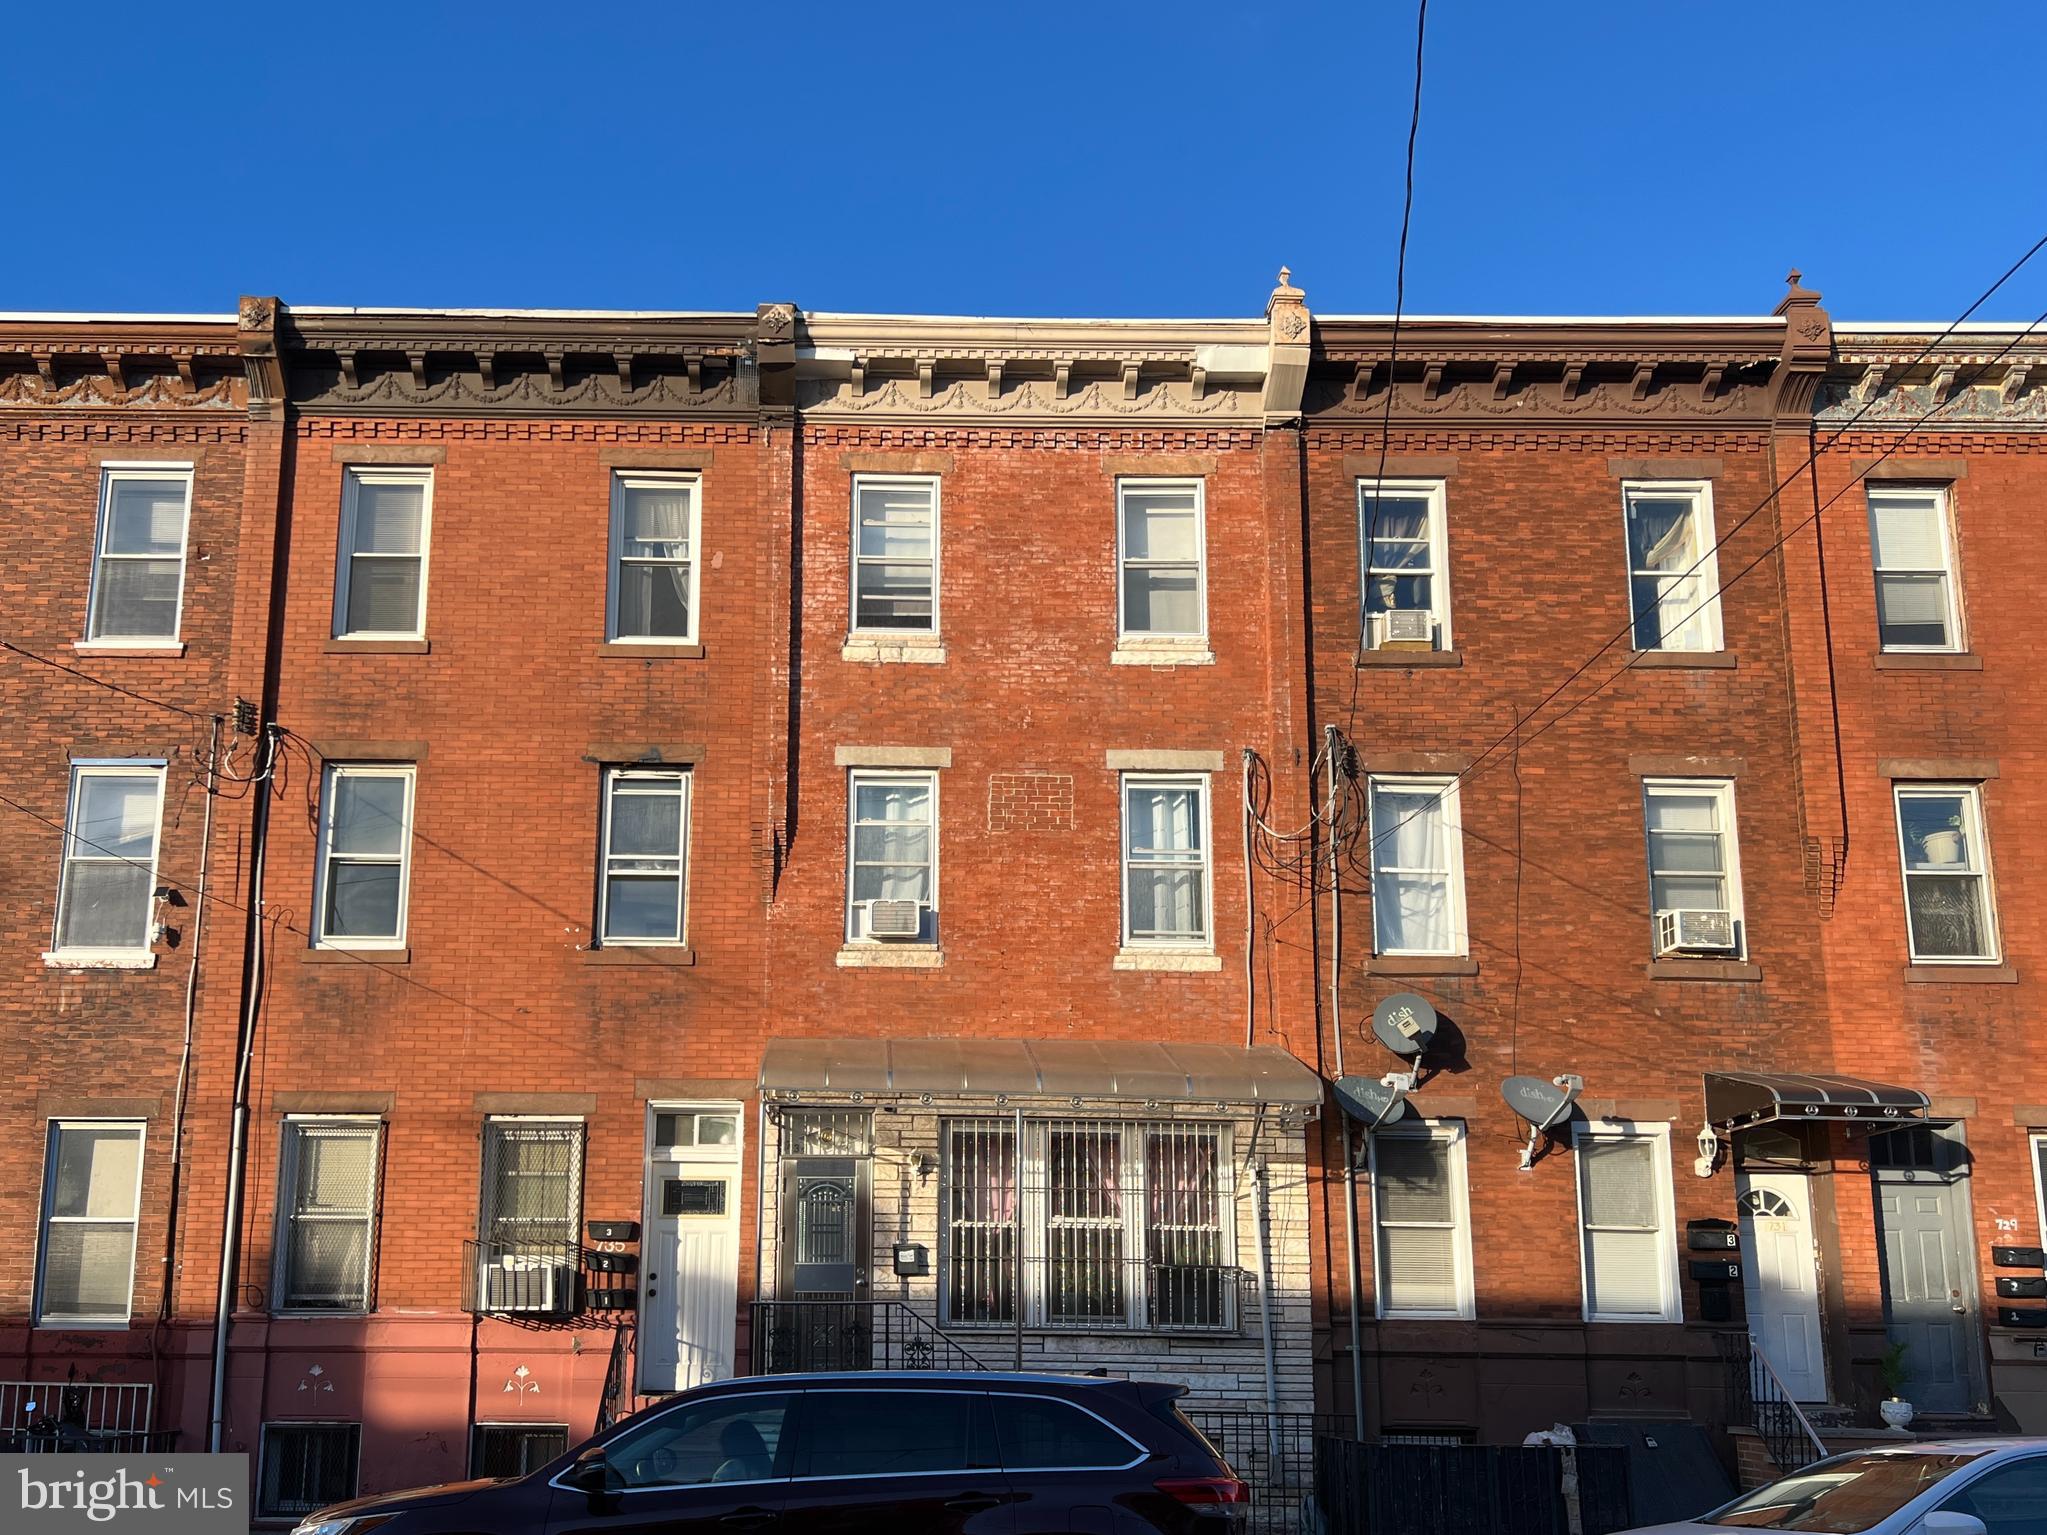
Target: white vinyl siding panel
{"points": [[1625, 1216], [1911, 548], [380, 585], [1161, 550], [1403, 546], [1673, 574], [365, 856], [1417, 866], [92, 1195], [1950, 901], [138, 572], [107, 886]]}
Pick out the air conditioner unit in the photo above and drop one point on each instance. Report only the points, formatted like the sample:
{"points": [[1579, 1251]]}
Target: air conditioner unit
{"points": [[525, 1283], [1407, 626], [895, 919], [1695, 932]]}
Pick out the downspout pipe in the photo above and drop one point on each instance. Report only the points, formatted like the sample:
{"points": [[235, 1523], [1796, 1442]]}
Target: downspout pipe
{"points": [[1350, 1166], [252, 998], [1261, 1188]]}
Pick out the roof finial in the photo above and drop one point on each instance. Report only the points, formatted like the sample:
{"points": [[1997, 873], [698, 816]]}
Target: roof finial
{"points": [[1285, 277], [1794, 277]]}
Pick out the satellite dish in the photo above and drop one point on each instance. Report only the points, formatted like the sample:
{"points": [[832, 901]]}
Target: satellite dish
{"points": [[1543, 1104], [1405, 1023], [1371, 1103]]}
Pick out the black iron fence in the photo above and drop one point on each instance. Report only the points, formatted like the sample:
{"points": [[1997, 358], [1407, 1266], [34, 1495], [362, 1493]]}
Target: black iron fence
{"points": [[1757, 1399], [1421, 1489], [539, 1281], [791, 1336], [1275, 1453]]}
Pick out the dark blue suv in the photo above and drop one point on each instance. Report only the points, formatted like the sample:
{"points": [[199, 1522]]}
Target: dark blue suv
{"points": [[923, 1453]]}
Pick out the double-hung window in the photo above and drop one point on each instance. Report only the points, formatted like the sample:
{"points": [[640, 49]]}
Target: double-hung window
{"points": [[1911, 547], [895, 554], [1422, 1219], [326, 1215], [892, 854], [646, 851], [1123, 1224], [1166, 875], [653, 596], [1625, 1215], [365, 855], [1694, 858], [529, 1216], [107, 888], [1950, 909], [1403, 548], [92, 1192], [138, 568], [1417, 866], [1673, 577], [380, 587], [1160, 549]]}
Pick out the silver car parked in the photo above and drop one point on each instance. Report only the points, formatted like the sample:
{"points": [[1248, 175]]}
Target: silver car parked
{"points": [[1938, 1487]]}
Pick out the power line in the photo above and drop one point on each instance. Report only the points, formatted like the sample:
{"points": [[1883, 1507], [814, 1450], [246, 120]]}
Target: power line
{"points": [[101, 682]]}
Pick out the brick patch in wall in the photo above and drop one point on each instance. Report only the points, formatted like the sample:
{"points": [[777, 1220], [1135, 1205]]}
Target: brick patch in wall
{"points": [[1030, 802]]}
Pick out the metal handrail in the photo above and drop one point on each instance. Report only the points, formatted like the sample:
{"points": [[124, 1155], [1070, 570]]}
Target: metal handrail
{"points": [[803, 1335], [1784, 1398]]}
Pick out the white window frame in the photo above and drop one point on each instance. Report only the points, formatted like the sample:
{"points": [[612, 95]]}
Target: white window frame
{"points": [[1438, 495], [576, 1134], [1949, 572], [623, 480], [111, 474], [1204, 943], [409, 772], [2036, 1143], [291, 1138], [54, 1131], [1126, 484], [1453, 813], [106, 767], [1722, 791], [354, 476], [1034, 1220], [931, 482], [855, 917], [1666, 1215], [1975, 835], [1442, 1132], [1705, 560], [612, 778]]}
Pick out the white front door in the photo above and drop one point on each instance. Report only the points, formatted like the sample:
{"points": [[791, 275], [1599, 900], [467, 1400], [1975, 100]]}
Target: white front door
{"points": [[1780, 1278], [689, 1286]]}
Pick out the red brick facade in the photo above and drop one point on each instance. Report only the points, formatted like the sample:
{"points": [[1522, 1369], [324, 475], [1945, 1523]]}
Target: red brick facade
{"points": [[1027, 707]]}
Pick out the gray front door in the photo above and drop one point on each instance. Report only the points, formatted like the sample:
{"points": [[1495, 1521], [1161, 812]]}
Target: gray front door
{"points": [[1927, 1254], [826, 1249]]}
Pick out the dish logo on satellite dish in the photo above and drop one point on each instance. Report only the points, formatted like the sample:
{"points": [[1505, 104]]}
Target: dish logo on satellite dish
{"points": [[161, 1494]]}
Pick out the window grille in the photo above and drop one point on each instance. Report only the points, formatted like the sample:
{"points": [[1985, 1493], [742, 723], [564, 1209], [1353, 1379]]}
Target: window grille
{"points": [[327, 1213], [515, 1449], [827, 1133], [1124, 1224], [307, 1466], [532, 1183]]}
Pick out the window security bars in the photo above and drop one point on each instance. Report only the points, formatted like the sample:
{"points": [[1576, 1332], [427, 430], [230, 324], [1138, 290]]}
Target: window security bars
{"points": [[1123, 1224], [527, 1258], [306, 1466], [327, 1214], [514, 1449]]}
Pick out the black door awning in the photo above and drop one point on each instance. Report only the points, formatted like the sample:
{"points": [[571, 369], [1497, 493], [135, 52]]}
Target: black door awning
{"points": [[1738, 1099]]}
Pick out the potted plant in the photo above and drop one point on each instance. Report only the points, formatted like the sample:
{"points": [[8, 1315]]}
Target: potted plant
{"points": [[1890, 1371], [1942, 847]]}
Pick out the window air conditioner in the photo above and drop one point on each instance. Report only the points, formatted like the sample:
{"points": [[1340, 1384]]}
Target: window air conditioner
{"points": [[1695, 932], [524, 1283], [1406, 626], [894, 919]]}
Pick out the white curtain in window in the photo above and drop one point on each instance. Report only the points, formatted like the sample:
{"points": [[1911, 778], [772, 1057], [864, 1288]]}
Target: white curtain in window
{"points": [[1412, 897]]}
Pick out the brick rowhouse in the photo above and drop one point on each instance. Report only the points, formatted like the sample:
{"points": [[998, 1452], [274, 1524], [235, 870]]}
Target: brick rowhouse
{"points": [[756, 873]]}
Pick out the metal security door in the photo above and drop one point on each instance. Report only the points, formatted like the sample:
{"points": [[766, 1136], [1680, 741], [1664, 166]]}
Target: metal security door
{"points": [[689, 1297], [826, 1245], [1928, 1264], [1780, 1280]]}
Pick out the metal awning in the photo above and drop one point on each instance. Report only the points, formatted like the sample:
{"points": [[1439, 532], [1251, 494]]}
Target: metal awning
{"points": [[1739, 1099], [1062, 1068]]}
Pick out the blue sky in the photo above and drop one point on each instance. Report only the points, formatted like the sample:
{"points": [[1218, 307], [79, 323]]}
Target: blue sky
{"points": [[1598, 156]]}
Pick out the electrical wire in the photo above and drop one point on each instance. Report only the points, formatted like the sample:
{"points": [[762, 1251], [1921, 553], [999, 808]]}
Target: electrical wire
{"points": [[101, 682]]}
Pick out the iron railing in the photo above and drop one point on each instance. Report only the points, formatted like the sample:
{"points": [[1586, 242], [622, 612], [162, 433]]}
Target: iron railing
{"points": [[791, 1336], [1388, 1488], [47, 1416], [1274, 1452], [537, 1281], [1758, 1400]]}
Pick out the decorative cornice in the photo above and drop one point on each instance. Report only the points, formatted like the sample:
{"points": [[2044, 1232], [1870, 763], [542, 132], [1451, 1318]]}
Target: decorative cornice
{"points": [[72, 365], [1978, 378]]}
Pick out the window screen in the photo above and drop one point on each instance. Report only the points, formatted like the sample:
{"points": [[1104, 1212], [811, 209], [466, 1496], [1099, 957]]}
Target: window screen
{"points": [[327, 1204]]}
